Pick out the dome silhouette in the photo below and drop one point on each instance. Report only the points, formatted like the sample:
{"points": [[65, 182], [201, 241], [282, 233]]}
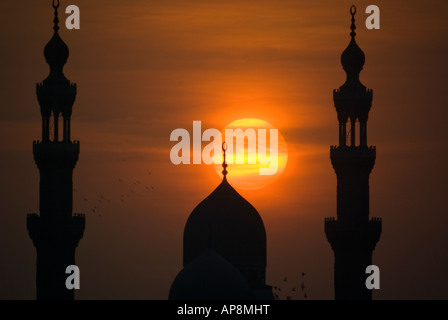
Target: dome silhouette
{"points": [[237, 229]]}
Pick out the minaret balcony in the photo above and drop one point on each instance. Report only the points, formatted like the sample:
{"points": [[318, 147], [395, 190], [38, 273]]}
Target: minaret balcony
{"points": [[344, 235], [56, 147], [353, 152], [54, 154], [69, 229]]}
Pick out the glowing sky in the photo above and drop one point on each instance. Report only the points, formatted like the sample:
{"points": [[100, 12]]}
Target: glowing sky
{"points": [[145, 68]]}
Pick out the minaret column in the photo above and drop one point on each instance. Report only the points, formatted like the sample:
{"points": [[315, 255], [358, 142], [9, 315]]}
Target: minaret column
{"points": [[55, 231], [353, 132], [352, 235]]}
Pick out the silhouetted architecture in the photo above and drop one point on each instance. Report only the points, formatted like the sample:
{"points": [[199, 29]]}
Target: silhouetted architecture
{"points": [[224, 250], [55, 232], [352, 235]]}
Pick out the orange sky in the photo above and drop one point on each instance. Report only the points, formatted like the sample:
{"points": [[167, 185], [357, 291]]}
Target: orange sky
{"points": [[145, 68]]}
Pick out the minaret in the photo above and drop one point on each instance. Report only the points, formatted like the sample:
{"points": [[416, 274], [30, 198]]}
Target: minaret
{"points": [[55, 232], [352, 235]]}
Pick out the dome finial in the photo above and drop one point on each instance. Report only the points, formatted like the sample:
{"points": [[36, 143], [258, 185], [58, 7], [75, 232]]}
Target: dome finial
{"points": [[353, 27], [224, 163], [56, 20]]}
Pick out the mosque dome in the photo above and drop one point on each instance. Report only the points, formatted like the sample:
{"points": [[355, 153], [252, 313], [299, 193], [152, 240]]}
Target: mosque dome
{"points": [[237, 229]]}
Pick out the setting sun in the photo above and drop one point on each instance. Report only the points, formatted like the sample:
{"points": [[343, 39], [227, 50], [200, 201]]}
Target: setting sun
{"points": [[243, 174]]}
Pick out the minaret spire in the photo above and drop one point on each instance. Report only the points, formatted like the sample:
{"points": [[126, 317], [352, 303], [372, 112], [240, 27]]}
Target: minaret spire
{"points": [[56, 20], [353, 57], [55, 231], [56, 94], [353, 26]]}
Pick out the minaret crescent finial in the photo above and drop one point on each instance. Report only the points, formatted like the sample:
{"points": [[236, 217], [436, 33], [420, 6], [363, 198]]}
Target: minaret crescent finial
{"points": [[353, 27], [56, 20]]}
